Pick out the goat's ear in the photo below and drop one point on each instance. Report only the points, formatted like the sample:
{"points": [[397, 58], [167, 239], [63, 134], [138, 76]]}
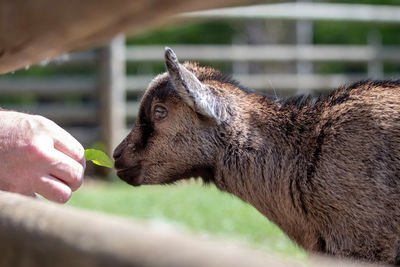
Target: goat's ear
{"points": [[197, 95]]}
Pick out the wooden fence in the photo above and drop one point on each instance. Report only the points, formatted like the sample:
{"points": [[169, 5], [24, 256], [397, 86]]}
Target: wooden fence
{"points": [[36, 233], [105, 112]]}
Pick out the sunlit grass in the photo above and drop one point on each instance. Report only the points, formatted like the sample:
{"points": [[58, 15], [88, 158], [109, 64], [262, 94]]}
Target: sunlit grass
{"points": [[202, 209]]}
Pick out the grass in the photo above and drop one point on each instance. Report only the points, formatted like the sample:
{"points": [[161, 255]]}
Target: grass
{"points": [[190, 205]]}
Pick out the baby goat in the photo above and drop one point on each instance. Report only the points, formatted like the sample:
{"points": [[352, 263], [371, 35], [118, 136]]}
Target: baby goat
{"points": [[327, 172]]}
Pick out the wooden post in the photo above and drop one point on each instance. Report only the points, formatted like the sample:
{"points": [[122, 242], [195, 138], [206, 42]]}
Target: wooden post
{"points": [[112, 93], [375, 66], [304, 36]]}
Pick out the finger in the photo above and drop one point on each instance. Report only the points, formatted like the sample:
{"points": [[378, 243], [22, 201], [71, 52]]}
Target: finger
{"points": [[53, 189], [71, 147], [66, 169], [65, 142]]}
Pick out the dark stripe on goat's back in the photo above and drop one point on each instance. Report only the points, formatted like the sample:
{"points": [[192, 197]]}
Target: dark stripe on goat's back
{"points": [[339, 99], [300, 101]]}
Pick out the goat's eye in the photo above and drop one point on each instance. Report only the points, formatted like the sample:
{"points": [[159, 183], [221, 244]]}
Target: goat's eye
{"points": [[160, 112]]}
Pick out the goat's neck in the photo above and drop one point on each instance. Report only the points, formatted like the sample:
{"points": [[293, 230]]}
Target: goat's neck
{"points": [[264, 164]]}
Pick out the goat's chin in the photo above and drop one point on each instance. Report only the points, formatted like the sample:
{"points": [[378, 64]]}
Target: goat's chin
{"points": [[135, 176], [131, 175]]}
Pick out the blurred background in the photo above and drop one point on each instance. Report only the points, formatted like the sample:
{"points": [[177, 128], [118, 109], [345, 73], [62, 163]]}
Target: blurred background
{"points": [[280, 49]]}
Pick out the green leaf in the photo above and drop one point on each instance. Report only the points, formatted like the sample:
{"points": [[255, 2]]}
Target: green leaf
{"points": [[98, 157]]}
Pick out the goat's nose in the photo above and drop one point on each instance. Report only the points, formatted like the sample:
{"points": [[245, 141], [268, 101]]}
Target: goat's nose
{"points": [[117, 153]]}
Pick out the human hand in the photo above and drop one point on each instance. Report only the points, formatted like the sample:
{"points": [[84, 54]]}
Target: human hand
{"points": [[38, 156]]}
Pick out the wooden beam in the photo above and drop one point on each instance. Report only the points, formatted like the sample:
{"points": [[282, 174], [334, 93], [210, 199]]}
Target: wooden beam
{"points": [[262, 53], [36, 30], [75, 59], [306, 11], [51, 86], [262, 82], [61, 113], [36, 233]]}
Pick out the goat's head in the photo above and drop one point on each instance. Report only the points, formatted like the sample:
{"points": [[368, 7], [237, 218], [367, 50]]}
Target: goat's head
{"points": [[174, 136]]}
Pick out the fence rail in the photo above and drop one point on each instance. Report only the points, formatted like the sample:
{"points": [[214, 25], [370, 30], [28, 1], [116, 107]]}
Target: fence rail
{"points": [[37, 233], [269, 82], [263, 53], [49, 86]]}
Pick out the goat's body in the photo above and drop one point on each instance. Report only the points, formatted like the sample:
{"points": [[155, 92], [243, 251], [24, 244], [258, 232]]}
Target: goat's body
{"points": [[328, 173]]}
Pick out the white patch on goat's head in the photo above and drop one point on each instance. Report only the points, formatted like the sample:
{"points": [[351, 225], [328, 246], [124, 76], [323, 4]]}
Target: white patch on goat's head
{"points": [[206, 100]]}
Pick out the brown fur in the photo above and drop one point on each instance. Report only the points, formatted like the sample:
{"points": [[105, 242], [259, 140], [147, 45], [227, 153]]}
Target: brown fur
{"points": [[326, 171]]}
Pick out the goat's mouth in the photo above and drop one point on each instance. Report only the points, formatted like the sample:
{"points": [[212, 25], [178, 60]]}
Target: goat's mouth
{"points": [[131, 175]]}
